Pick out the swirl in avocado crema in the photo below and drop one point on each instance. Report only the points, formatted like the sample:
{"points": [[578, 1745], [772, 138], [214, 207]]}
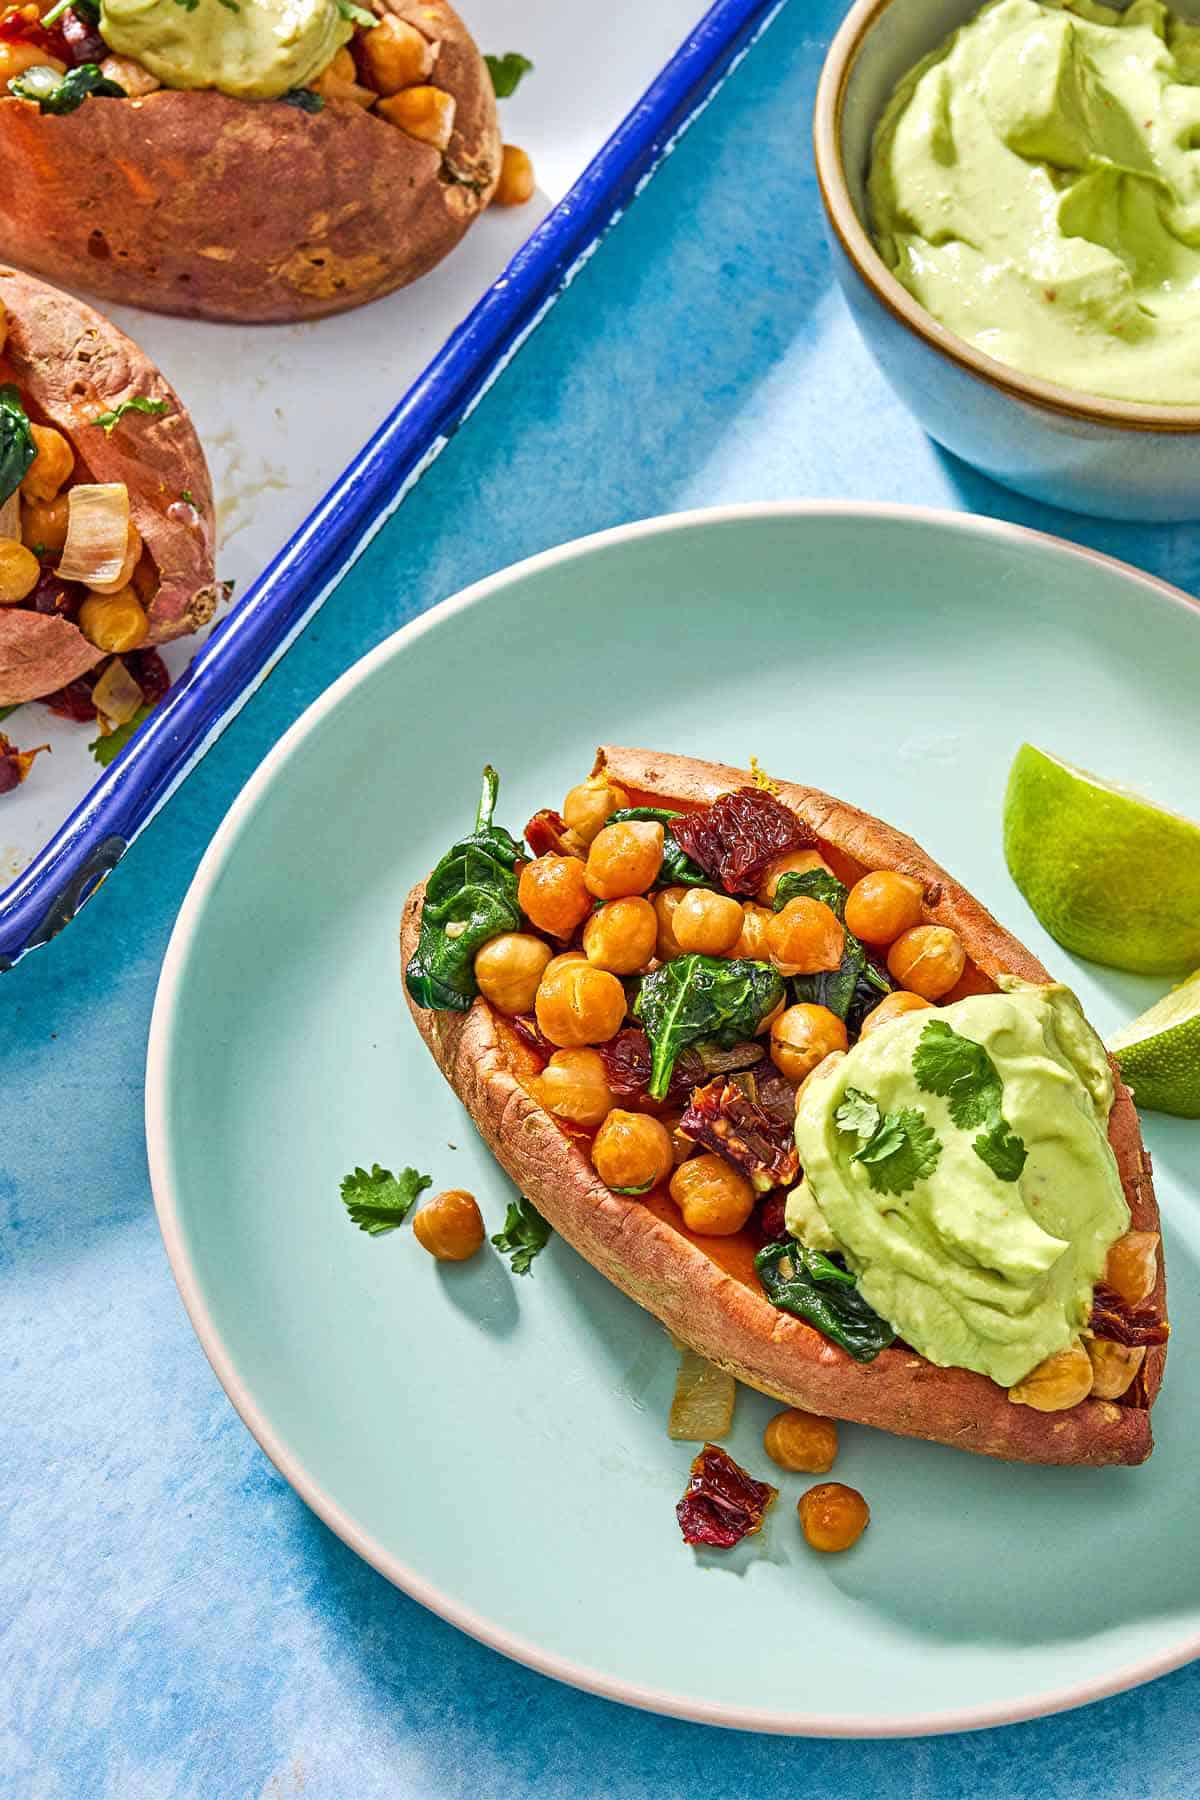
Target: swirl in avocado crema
{"points": [[1035, 184], [975, 1269]]}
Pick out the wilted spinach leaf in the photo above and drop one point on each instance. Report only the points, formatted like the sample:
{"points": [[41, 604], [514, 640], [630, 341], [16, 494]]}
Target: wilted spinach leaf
{"points": [[817, 1289], [678, 869], [57, 93], [17, 448], [470, 898], [702, 1000], [856, 985]]}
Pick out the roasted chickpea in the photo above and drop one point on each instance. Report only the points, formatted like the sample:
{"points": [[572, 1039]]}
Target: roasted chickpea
{"points": [[708, 923], [577, 1004], [893, 1006], [1058, 1383], [833, 1517], [395, 55], [114, 622], [424, 113], [562, 959], [753, 942], [19, 571], [1113, 1367], [666, 905], [801, 1441], [928, 960], [621, 935], [589, 806], [804, 1036], [16, 58], [1132, 1267], [509, 970], [50, 467], [625, 859], [631, 1152], [516, 184], [792, 862], [882, 905], [131, 75], [552, 894], [450, 1227], [805, 937], [339, 81], [44, 523], [715, 1198], [574, 1086]]}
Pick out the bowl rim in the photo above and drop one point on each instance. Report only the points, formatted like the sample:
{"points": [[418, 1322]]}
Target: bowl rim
{"points": [[159, 1058], [855, 241]]}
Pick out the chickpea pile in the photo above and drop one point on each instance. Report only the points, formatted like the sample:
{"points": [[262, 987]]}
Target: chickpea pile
{"points": [[599, 915]]}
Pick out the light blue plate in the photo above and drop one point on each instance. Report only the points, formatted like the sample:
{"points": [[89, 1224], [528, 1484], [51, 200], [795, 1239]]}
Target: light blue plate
{"points": [[498, 1446]]}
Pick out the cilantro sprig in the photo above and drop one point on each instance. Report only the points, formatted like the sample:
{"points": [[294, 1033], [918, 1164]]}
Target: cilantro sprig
{"points": [[378, 1201], [507, 72], [962, 1072], [525, 1234], [897, 1149], [138, 404]]}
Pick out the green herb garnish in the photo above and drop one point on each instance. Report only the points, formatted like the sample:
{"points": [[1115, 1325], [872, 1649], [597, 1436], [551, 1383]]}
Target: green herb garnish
{"points": [[138, 404], [106, 748], [815, 1288], [856, 985], [702, 999], [185, 494], [357, 15], [525, 1233], [378, 1201], [59, 94], [678, 869], [896, 1149], [962, 1072], [507, 72], [17, 448], [470, 898], [304, 99], [5, 710]]}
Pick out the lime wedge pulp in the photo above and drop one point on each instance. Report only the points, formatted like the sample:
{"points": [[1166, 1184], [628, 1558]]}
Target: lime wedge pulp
{"points": [[1159, 1054], [1109, 874]]}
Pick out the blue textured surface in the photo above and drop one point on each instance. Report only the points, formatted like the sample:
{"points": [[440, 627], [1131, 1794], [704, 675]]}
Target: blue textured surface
{"points": [[173, 1621]]}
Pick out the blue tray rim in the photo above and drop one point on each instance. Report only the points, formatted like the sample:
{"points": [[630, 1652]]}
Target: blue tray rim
{"points": [[236, 659]]}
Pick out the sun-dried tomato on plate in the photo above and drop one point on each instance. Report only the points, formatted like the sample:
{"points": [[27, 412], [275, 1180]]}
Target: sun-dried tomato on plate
{"points": [[721, 1504], [736, 838]]}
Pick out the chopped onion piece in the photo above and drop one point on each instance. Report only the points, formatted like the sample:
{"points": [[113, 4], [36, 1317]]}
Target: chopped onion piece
{"points": [[116, 694], [97, 532], [10, 516], [702, 1409]]}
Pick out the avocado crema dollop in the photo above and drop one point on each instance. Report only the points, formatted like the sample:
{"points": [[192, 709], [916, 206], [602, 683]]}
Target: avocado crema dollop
{"points": [[254, 49], [974, 1271], [1035, 184]]}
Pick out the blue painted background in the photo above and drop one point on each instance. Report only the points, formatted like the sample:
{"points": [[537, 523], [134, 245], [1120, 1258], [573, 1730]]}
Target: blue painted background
{"points": [[173, 1622]]}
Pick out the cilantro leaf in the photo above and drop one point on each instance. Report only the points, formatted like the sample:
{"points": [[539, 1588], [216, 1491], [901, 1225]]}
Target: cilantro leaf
{"points": [[857, 1113], [5, 710], [525, 1233], [106, 748], [357, 15], [304, 100], [138, 404], [507, 72], [1002, 1150], [378, 1201], [961, 1071]]}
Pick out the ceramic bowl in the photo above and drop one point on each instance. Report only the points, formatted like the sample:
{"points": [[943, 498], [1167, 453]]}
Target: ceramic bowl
{"points": [[1114, 458]]}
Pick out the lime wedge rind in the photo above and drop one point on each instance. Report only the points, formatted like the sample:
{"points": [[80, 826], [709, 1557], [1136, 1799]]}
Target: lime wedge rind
{"points": [[1159, 1053]]}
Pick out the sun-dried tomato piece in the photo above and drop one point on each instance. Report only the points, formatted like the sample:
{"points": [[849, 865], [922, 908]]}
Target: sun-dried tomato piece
{"points": [[526, 1028], [546, 834], [769, 1222], [62, 599], [735, 838], [728, 1117], [73, 701], [1121, 1323], [627, 1060], [82, 41], [16, 28], [722, 1504], [15, 764], [150, 672]]}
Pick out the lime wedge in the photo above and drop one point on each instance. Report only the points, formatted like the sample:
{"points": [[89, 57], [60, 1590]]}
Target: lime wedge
{"points": [[1109, 874], [1159, 1054]]}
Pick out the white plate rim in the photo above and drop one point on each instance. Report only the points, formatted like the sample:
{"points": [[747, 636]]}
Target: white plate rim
{"points": [[272, 1443]]}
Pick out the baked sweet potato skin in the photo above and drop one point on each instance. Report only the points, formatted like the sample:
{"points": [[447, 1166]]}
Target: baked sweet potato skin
{"points": [[71, 364], [253, 211], [721, 1317]]}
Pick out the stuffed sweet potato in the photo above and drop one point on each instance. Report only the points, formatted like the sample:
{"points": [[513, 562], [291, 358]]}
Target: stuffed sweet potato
{"points": [[797, 1093], [260, 163], [106, 515]]}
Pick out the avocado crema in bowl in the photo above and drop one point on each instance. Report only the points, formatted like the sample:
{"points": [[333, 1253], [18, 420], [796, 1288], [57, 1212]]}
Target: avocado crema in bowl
{"points": [[1013, 192], [987, 1257]]}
